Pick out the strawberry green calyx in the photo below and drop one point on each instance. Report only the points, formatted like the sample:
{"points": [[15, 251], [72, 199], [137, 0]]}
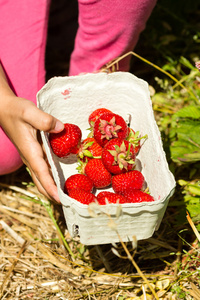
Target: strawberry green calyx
{"points": [[122, 157], [81, 166], [135, 137], [118, 156], [83, 150], [91, 132], [109, 129], [89, 149]]}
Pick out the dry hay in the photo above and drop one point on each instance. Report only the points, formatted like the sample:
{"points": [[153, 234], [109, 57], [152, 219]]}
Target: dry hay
{"points": [[35, 262]]}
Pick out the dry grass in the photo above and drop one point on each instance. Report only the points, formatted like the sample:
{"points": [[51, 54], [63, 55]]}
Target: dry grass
{"points": [[36, 264], [34, 249]]}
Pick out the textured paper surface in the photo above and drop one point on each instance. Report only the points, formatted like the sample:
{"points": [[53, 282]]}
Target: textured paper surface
{"points": [[72, 99]]}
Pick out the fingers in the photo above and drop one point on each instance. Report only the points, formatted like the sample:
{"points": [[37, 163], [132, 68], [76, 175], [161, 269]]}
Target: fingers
{"points": [[43, 179], [41, 120], [34, 157], [52, 192], [21, 124]]}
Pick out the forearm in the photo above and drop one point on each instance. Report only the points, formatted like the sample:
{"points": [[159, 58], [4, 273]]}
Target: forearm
{"points": [[5, 89], [6, 95]]}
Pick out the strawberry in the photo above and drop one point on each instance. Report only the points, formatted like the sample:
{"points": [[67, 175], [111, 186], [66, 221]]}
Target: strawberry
{"points": [[96, 114], [89, 149], [137, 196], [67, 141], [109, 126], [78, 181], [82, 196], [102, 194], [118, 156], [110, 197], [96, 171], [126, 182], [134, 138]]}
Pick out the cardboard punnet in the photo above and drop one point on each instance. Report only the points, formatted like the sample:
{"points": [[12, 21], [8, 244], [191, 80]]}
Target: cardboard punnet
{"points": [[72, 99]]}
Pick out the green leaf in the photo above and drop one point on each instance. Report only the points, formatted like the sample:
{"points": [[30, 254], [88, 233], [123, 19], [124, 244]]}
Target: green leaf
{"points": [[194, 210], [88, 153], [194, 189], [189, 112], [182, 182], [186, 147], [186, 63]]}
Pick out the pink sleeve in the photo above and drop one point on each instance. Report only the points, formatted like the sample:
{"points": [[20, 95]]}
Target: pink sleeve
{"points": [[23, 30], [23, 26], [107, 29]]}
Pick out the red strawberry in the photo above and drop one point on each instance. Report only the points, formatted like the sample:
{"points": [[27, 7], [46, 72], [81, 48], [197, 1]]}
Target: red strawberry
{"points": [[118, 156], [89, 149], [96, 114], [134, 138], [102, 194], [109, 126], [67, 141], [96, 171], [137, 196], [126, 182], [78, 181], [82, 196], [104, 197]]}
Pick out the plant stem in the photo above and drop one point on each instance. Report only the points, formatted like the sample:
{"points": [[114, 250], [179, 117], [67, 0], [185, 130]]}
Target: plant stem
{"points": [[50, 212], [109, 65], [137, 268]]}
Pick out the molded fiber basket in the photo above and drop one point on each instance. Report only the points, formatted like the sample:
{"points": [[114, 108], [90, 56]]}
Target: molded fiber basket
{"points": [[72, 99]]}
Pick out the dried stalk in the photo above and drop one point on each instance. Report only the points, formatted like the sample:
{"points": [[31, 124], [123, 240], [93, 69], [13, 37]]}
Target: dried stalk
{"points": [[15, 236], [193, 227], [46, 253], [45, 203], [116, 61], [137, 267], [51, 258], [24, 213], [4, 283]]}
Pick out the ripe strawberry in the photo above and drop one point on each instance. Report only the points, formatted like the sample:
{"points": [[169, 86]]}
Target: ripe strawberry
{"points": [[96, 171], [126, 182], [118, 156], [134, 138], [89, 149], [78, 181], [102, 194], [82, 196], [137, 196], [96, 114], [67, 141], [110, 197], [109, 126]]}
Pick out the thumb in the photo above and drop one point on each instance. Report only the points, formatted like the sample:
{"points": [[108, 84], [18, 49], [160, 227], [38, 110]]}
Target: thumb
{"points": [[58, 126], [44, 121]]}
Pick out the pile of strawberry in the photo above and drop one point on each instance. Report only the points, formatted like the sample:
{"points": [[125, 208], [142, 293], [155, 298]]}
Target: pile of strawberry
{"points": [[106, 158]]}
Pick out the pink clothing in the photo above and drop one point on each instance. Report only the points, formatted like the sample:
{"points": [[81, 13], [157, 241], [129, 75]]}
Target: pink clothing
{"points": [[107, 29], [23, 28]]}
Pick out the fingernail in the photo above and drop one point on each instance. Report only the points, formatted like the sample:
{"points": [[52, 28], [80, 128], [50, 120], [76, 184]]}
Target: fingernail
{"points": [[59, 126], [56, 197]]}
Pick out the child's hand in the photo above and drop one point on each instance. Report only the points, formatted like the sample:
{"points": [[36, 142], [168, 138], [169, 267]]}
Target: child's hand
{"points": [[21, 120]]}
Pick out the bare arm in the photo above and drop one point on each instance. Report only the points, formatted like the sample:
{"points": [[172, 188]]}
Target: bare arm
{"points": [[21, 120]]}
